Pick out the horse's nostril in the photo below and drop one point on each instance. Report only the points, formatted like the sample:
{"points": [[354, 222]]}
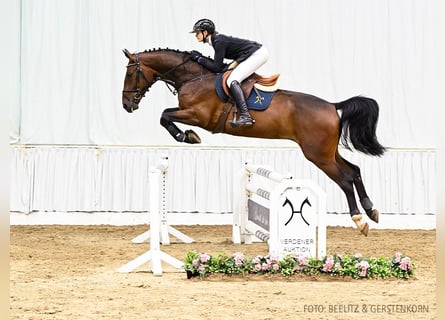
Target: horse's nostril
{"points": [[127, 108]]}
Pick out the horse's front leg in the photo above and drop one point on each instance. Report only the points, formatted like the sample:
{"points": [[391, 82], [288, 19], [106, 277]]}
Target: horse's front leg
{"points": [[167, 121]]}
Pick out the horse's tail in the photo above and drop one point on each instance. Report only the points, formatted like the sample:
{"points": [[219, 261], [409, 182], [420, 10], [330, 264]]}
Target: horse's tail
{"points": [[358, 124]]}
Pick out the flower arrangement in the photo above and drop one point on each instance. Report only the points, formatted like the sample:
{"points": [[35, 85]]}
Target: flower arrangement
{"points": [[355, 266]]}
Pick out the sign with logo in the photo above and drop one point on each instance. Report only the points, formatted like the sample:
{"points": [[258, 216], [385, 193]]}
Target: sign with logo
{"points": [[288, 214], [297, 221]]}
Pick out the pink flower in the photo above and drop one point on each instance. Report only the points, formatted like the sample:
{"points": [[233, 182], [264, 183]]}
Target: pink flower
{"points": [[329, 263], [398, 257], [337, 265], [303, 261], [257, 259], [265, 266], [239, 258], [202, 267], [405, 264], [195, 262], [204, 257], [257, 267], [363, 267], [275, 266]]}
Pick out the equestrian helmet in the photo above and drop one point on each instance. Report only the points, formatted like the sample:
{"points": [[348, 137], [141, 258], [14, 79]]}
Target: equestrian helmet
{"points": [[204, 24]]}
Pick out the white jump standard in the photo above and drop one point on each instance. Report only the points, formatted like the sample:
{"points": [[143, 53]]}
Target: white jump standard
{"points": [[159, 228], [288, 214], [165, 228]]}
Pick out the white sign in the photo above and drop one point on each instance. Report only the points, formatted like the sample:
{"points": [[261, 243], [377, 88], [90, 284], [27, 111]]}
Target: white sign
{"points": [[297, 221]]}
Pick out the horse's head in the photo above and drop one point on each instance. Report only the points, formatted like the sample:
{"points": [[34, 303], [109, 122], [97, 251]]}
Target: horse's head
{"points": [[138, 80], [173, 67]]}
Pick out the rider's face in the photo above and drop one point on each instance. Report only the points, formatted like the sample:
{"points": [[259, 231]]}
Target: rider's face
{"points": [[200, 35]]}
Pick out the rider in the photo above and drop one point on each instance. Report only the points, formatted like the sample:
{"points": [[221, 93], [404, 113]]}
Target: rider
{"points": [[247, 55]]}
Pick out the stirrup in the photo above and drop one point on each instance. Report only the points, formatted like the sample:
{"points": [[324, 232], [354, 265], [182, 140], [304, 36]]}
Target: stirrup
{"points": [[242, 122]]}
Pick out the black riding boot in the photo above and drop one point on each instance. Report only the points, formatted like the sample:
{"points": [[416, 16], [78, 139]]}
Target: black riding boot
{"points": [[237, 93]]}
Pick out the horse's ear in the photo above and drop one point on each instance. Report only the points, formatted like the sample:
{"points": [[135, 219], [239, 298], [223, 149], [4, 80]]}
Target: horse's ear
{"points": [[127, 53]]}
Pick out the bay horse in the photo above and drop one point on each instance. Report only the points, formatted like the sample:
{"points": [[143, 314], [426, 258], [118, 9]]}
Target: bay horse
{"points": [[313, 123]]}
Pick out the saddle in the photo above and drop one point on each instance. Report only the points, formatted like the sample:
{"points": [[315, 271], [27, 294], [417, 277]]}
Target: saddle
{"points": [[257, 90], [266, 84]]}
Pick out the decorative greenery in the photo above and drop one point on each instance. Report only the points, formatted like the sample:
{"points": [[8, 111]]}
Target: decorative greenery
{"points": [[355, 266]]}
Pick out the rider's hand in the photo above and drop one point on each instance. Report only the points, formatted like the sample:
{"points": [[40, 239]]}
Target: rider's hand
{"points": [[195, 55]]}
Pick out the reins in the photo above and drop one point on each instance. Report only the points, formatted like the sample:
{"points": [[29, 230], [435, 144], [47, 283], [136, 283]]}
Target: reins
{"points": [[176, 86], [171, 84]]}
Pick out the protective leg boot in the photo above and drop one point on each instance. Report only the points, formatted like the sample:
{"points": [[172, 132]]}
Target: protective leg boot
{"points": [[237, 93]]}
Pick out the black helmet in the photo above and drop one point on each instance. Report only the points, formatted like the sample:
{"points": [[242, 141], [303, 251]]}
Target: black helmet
{"points": [[204, 24]]}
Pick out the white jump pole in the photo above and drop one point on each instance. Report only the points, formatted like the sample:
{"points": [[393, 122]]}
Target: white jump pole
{"points": [[165, 228], [154, 255]]}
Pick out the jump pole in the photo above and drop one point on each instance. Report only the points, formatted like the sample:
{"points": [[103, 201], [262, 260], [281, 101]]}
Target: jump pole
{"points": [[165, 228], [155, 255]]}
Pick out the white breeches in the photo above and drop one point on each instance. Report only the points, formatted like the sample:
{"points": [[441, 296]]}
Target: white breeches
{"points": [[249, 66]]}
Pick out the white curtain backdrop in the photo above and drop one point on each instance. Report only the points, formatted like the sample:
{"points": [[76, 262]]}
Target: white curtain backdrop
{"points": [[74, 148], [72, 67], [200, 180]]}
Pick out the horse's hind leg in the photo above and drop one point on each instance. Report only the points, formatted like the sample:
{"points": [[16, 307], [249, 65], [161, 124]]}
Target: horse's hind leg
{"points": [[167, 118], [366, 203], [341, 174]]}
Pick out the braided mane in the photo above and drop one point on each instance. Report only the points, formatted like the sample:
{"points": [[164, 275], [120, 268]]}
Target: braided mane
{"points": [[164, 50]]}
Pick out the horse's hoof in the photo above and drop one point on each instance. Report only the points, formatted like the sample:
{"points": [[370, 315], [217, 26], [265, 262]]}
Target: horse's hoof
{"points": [[191, 137], [362, 226], [365, 229], [373, 215]]}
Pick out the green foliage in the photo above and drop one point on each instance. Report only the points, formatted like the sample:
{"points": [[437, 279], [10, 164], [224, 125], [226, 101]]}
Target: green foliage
{"points": [[355, 266]]}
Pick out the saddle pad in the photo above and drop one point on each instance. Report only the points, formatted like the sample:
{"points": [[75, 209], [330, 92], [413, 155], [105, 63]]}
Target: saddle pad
{"points": [[219, 89], [257, 100]]}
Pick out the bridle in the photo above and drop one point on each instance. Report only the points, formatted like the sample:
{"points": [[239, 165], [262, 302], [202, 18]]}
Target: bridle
{"points": [[139, 93], [171, 85]]}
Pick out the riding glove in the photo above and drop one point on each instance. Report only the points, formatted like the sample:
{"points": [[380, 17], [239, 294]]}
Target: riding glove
{"points": [[195, 55]]}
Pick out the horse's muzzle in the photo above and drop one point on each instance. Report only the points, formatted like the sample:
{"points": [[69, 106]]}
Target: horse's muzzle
{"points": [[130, 107]]}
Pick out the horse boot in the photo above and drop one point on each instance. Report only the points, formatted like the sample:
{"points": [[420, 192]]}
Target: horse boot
{"points": [[237, 93]]}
